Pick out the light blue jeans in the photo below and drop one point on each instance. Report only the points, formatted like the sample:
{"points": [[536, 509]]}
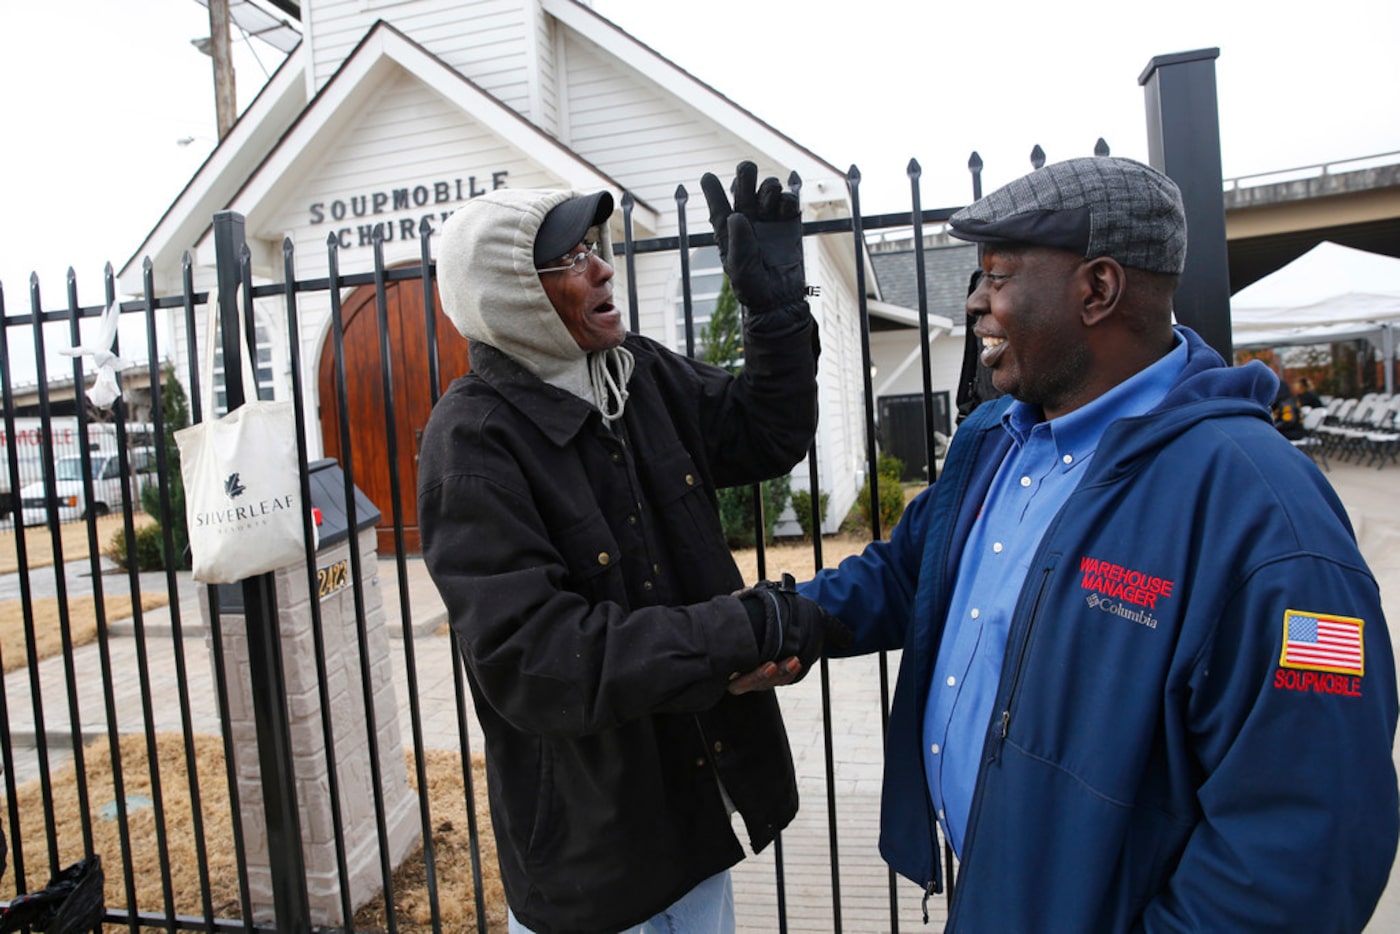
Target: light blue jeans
{"points": [[706, 909]]}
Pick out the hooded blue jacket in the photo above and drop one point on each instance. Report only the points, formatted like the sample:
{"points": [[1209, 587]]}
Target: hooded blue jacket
{"points": [[1158, 758]]}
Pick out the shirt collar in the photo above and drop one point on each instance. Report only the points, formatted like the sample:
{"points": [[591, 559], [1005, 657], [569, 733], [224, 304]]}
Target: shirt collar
{"points": [[1076, 435], [559, 414]]}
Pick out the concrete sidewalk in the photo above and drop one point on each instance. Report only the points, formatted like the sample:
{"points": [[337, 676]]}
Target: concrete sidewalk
{"points": [[856, 732]]}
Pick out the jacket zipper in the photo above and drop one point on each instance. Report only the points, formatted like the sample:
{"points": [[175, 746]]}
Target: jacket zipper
{"points": [[1004, 720], [1003, 726]]}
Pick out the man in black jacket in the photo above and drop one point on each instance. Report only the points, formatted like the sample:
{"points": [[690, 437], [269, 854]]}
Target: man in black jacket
{"points": [[567, 504]]}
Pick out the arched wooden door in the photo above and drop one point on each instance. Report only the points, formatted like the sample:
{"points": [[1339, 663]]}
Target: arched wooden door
{"points": [[412, 389]]}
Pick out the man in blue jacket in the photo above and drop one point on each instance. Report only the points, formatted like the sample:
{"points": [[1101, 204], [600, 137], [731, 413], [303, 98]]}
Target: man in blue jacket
{"points": [[1146, 681]]}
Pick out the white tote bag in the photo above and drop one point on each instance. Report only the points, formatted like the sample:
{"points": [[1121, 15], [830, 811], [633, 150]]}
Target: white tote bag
{"points": [[242, 484]]}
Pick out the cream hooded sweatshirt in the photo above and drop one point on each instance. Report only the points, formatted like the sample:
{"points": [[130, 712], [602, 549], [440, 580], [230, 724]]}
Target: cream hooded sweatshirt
{"points": [[491, 292]]}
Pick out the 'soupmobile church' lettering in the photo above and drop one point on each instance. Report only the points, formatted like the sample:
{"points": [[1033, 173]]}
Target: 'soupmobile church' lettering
{"points": [[396, 201]]}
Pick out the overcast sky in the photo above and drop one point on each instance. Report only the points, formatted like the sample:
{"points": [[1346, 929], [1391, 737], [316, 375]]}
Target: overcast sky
{"points": [[97, 94]]}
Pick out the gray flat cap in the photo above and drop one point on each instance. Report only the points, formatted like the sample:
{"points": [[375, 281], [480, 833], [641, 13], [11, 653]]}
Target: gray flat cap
{"points": [[1094, 206]]}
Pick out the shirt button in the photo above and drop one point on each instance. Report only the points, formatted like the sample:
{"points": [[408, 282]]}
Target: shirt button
{"points": [[941, 815], [934, 748], [952, 681], [976, 613], [603, 557], [1068, 458], [1025, 481], [997, 547]]}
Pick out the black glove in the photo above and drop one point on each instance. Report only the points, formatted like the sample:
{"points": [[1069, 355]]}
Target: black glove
{"points": [[760, 240], [787, 624]]}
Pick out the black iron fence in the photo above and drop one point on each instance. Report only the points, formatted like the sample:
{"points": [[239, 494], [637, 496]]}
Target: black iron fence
{"points": [[141, 745], [111, 743]]}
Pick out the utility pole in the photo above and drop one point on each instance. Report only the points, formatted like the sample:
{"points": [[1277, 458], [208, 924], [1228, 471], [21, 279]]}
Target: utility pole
{"points": [[225, 106]]}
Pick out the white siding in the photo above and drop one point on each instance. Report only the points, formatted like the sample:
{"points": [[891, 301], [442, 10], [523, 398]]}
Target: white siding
{"points": [[487, 41], [896, 356], [627, 126], [841, 435]]}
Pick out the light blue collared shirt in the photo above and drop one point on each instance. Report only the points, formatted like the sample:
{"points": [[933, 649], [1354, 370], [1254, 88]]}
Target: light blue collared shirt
{"points": [[1046, 461]]}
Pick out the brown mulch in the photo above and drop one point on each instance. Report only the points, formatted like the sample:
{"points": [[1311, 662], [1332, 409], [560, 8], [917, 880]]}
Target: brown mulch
{"points": [[447, 802], [451, 856]]}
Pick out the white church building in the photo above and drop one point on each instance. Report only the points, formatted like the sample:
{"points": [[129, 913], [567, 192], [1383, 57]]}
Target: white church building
{"points": [[389, 114]]}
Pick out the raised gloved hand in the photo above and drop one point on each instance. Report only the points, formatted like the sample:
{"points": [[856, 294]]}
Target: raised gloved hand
{"points": [[787, 625], [760, 240]]}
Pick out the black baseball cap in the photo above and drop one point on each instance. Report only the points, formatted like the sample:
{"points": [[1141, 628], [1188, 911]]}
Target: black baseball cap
{"points": [[566, 223]]}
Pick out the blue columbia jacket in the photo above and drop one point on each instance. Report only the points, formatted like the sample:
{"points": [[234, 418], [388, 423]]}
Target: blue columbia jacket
{"points": [[1194, 723]]}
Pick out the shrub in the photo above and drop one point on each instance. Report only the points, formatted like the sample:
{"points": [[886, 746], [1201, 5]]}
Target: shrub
{"points": [[802, 505], [736, 511], [175, 412], [150, 545], [889, 469]]}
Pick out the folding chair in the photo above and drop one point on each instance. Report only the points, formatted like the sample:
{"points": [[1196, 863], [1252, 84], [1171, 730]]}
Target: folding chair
{"points": [[1310, 443]]}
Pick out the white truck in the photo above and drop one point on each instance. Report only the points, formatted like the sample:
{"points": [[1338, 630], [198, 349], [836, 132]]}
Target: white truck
{"points": [[70, 500]]}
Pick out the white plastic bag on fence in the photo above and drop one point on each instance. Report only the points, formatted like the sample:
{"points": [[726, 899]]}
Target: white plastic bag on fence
{"points": [[243, 497]]}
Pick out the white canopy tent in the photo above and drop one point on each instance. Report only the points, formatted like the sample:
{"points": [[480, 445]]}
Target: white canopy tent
{"points": [[1330, 293]]}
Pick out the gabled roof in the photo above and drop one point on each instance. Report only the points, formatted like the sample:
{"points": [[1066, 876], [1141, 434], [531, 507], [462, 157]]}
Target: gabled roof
{"points": [[253, 166], [946, 273]]}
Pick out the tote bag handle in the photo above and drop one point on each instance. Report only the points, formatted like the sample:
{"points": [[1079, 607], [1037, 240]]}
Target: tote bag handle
{"points": [[211, 335]]}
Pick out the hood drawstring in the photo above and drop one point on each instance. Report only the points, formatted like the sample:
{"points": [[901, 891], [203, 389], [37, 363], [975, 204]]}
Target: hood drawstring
{"points": [[608, 373]]}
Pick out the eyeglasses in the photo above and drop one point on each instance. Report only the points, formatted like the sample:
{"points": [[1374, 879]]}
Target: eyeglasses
{"points": [[576, 262]]}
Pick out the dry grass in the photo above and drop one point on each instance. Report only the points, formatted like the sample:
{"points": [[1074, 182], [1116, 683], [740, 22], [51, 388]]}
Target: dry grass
{"points": [[447, 802], [82, 618], [48, 633], [38, 541]]}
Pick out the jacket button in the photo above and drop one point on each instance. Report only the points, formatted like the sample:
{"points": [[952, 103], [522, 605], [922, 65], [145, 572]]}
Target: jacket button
{"points": [[646, 585], [631, 520], [690, 479], [656, 569], [719, 747], [603, 557], [700, 762], [616, 457]]}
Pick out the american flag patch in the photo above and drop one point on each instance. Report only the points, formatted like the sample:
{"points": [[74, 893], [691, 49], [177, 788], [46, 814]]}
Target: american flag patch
{"points": [[1319, 642]]}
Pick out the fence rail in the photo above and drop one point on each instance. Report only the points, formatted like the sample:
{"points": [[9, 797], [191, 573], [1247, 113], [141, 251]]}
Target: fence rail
{"points": [[252, 786]]}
